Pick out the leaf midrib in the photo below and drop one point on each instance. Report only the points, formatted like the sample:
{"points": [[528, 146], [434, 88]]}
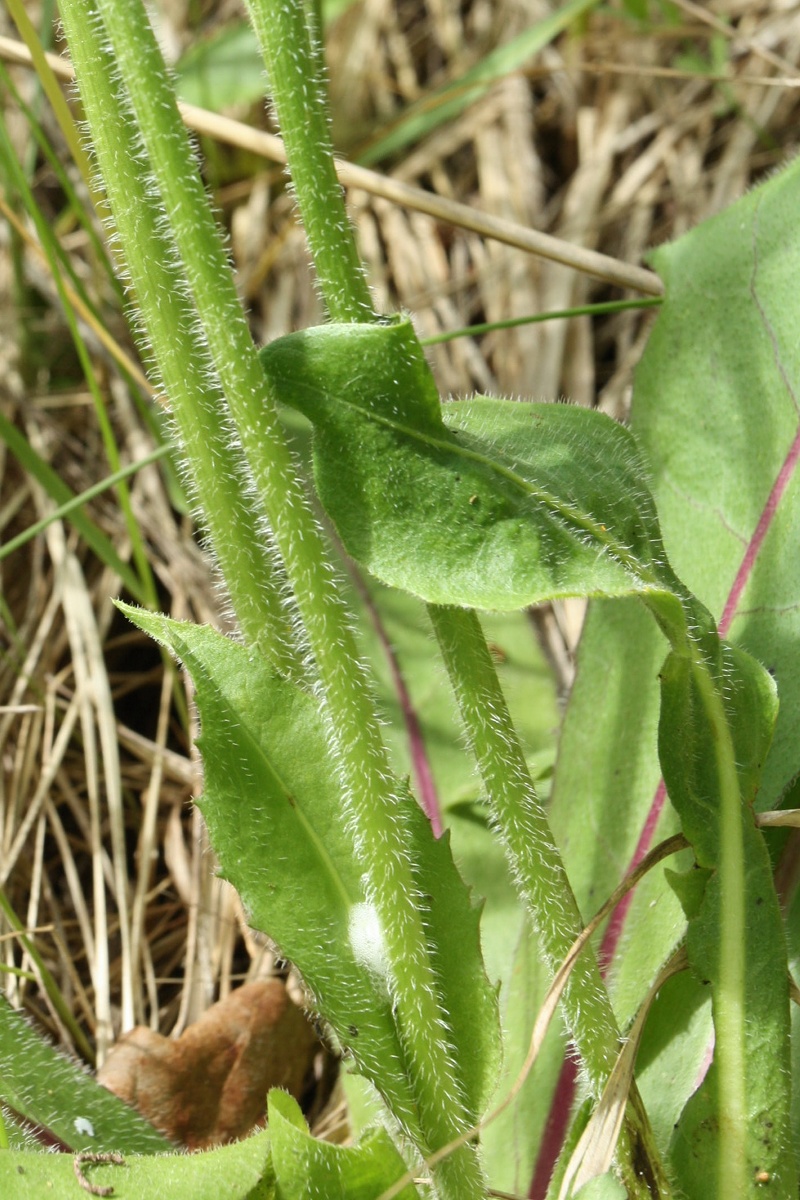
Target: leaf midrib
{"points": [[291, 799]]}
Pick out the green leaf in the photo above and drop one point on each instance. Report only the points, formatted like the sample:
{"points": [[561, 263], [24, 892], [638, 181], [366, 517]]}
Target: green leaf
{"points": [[690, 887], [721, 434], [715, 415], [239, 1172], [606, 775], [307, 1167], [273, 806], [452, 924], [733, 533], [603, 1187], [223, 70], [735, 939], [672, 1052], [511, 1143], [51, 1091], [686, 745], [491, 504]]}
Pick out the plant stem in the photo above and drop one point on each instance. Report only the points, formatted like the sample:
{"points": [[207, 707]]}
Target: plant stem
{"points": [[525, 832], [219, 477], [521, 820], [372, 805], [537, 865], [298, 93]]}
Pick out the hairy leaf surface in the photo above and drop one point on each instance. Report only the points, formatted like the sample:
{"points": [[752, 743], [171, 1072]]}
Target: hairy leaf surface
{"points": [[306, 1167], [52, 1092], [491, 504], [242, 1171], [715, 413], [735, 936], [273, 806]]}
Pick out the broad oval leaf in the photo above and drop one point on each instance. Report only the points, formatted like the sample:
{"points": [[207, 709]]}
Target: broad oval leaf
{"points": [[489, 504], [715, 413]]}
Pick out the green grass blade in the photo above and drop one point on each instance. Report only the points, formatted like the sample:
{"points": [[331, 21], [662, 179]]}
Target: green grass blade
{"points": [[53, 90], [58, 491], [449, 101], [586, 310], [83, 498]]}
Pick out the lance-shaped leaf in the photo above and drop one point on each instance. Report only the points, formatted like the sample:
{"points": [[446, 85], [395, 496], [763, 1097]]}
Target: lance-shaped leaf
{"points": [[490, 504], [273, 805]]}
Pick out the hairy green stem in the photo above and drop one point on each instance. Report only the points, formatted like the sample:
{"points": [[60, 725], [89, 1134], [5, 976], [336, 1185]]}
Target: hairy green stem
{"points": [[168, 322], [520, 819], [523, 826], [537, 866], [293, 61], [204, 277]]}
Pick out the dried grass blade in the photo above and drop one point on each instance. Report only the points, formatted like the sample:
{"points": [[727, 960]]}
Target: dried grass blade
{"points": [[594, 1152], [224, 129]]}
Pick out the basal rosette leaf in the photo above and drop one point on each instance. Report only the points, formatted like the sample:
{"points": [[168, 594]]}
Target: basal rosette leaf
{"points": [[490, 504], [242, 1171], [50, 1091], [273, 805], [716, 415]]}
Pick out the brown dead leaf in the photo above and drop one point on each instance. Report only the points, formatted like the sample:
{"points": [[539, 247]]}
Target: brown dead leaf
{"points": [[209, 1086]]}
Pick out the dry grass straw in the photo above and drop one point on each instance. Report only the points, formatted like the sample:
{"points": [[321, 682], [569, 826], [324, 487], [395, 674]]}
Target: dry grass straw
{"points": [[611, 141]]}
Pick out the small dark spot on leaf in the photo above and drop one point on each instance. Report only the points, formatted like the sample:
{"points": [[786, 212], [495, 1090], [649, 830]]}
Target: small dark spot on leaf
{"points": [[352, 1030]]}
